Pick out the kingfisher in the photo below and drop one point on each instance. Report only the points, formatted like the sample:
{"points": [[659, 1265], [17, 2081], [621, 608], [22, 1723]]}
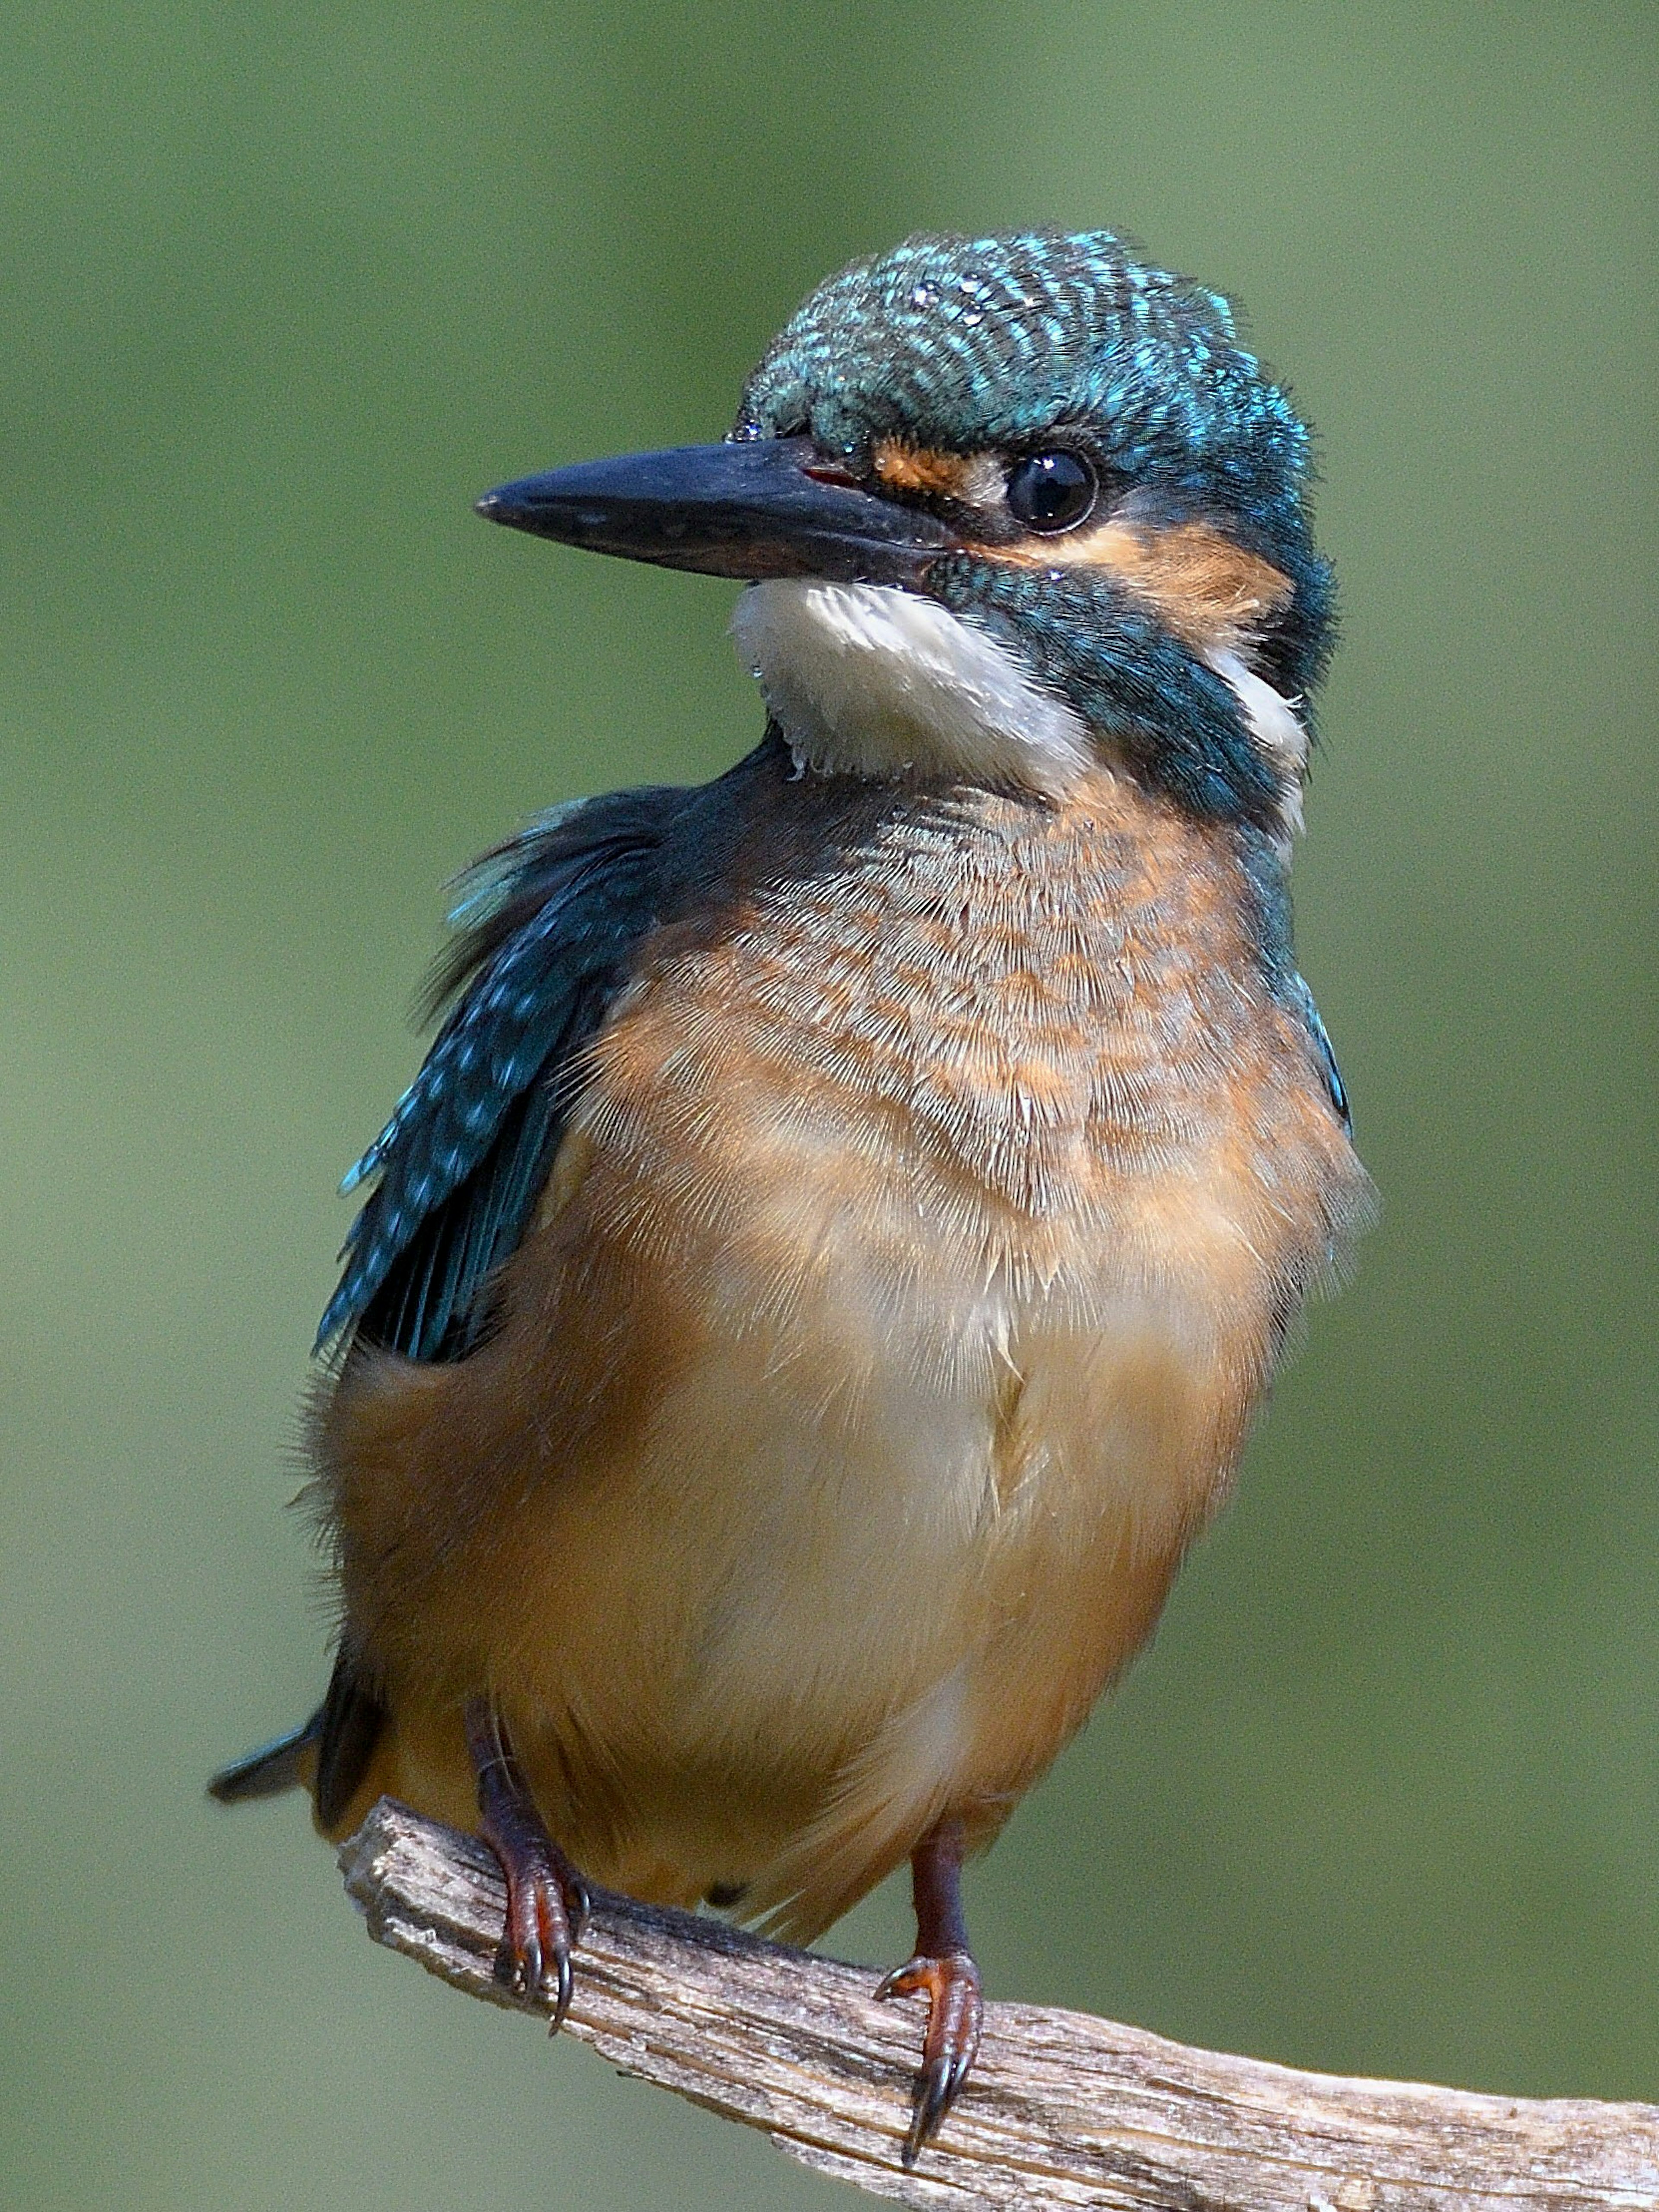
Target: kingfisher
{"points": [[824, 1272]]}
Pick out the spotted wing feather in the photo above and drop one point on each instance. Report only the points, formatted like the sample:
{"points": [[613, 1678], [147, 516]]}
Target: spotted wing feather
{"points": [[545, 928]]}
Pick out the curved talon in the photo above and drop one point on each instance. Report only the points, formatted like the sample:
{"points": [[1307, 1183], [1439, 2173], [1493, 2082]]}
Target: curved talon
{"points": [[956, 2015], [547, 1903], [562, 1998], [547, 1900]]}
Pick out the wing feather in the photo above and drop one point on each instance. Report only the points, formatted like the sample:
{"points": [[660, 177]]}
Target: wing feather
{"points": [[546, 925]]}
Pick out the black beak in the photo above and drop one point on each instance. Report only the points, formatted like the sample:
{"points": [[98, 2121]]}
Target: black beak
{"points": [[771, 507]]}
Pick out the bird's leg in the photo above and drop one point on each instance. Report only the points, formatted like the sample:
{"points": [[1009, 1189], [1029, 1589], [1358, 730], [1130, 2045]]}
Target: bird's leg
{"points": [[547, 1899], [944, 1968]]}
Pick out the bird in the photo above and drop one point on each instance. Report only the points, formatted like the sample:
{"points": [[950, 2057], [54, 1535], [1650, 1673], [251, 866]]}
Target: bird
{"points": [[825, 1270]]}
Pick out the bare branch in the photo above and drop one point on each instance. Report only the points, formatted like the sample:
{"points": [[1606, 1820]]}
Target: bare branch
{"points": [[1062, 2110]]}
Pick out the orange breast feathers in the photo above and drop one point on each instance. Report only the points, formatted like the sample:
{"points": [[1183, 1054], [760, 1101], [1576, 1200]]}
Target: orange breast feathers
{"points": [[916, 1256]]}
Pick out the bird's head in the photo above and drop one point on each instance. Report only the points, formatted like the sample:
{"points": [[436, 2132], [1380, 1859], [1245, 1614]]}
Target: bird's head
{"points": [[1008, 506]]}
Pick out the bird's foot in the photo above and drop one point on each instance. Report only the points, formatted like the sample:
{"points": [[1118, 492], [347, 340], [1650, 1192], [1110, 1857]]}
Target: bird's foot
{"points": [[944, 1971], [547, 1899], [547, 1903], [956, 2014]]}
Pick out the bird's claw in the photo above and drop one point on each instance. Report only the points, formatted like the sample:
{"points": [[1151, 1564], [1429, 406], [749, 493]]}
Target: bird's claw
{"points": [[547, 1907], [547, 1900], [956, 2015]]}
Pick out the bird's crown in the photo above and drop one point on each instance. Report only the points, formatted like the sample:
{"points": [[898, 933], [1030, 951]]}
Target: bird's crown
{"points": [[960, 343]]}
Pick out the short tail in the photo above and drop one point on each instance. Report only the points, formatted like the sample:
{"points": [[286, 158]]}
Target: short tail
{"points": [[275, 1766], [329, 1754]]}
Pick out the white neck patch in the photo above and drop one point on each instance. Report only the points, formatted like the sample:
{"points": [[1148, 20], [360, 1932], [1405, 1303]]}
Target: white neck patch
{"points": [[1279, 736], [864, 679]]}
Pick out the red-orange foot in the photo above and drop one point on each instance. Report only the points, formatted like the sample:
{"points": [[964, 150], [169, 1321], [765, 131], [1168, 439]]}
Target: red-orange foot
{"points": [[956, 2014], [547, 1900], [547, 1903]]}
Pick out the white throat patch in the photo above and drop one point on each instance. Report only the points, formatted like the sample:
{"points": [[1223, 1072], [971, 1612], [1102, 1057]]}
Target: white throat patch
{"points": [[1279, 736], [867, 680]]}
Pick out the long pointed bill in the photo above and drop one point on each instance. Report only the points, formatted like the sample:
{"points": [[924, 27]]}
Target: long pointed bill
{"points": [[752, 510]]}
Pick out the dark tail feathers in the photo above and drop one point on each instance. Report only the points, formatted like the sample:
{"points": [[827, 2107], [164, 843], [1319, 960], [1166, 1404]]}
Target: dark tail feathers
{"points": [[266, 1772], [343, 1731], [348, 1728]]}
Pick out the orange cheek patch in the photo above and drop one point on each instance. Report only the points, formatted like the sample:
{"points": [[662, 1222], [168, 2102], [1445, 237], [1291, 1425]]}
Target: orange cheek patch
{"points": [[915, 469], [1209, 591]]}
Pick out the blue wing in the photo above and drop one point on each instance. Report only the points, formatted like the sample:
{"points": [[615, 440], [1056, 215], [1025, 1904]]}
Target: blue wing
{"points": [[1273, 923], [1303, 999], [546, 927]]}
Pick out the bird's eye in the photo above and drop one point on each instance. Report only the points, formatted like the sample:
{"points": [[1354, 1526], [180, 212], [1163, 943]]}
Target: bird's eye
{"points": [[1052, 491]]}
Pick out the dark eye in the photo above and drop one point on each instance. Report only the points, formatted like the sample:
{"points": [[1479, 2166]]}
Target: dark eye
{"points": [[1052, 491]]}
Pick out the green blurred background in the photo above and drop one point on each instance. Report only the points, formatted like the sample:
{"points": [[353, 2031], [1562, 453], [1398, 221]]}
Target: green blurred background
{"points": [[286, 288]]}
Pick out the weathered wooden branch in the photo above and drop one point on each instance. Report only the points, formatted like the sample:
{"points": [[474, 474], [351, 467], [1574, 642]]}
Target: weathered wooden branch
{"points": [[1062, 2110]]}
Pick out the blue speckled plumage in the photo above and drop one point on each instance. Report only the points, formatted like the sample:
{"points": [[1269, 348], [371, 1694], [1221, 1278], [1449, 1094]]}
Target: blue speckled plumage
{"points": [[546, 923], [1001, 338]]}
